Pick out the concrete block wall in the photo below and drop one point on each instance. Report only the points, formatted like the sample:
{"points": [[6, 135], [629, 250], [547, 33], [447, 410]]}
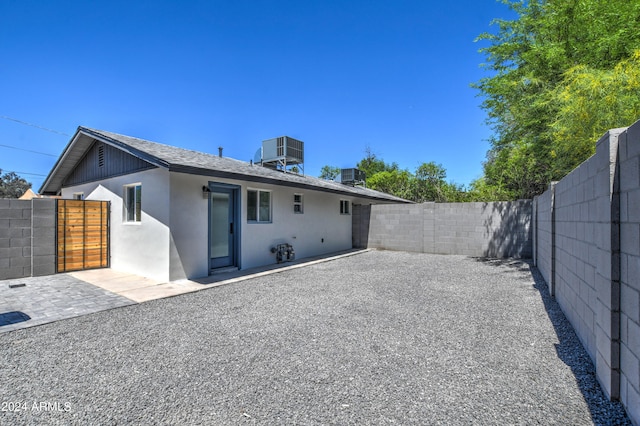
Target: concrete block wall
{"points": [[587, 240], [43, 238], [15, 238], [576, 254], [474, 229], [27, 238], [501, 229], [544, 233], [606, 231], [629, 195], [396, 227]]}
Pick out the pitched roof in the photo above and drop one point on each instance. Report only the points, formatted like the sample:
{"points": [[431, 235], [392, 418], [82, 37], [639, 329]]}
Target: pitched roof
{"points": [[193, 162]]}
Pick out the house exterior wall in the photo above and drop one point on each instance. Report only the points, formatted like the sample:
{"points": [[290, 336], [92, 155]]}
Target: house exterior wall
{"points": [[189, 215], [171, 241], [320, 229], [139, 248]]}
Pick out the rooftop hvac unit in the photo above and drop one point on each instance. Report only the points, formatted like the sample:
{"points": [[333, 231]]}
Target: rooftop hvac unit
{"points": [[352, 177], [281, 152]]}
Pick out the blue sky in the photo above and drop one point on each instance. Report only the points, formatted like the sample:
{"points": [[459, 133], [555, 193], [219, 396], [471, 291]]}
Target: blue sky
{"points": [[341, 76]]}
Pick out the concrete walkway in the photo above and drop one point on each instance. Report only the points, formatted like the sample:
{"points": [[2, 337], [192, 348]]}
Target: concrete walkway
{"points": [[27, 302], [140, 289]]}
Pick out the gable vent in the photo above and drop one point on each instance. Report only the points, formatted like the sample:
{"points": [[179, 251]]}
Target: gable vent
{"points": [[101, 155]]}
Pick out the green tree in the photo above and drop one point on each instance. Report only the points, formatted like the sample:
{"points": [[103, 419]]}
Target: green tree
{"points": [[395, 182], [590, 100], [534, 62], [329, 172], [429, 183], [12, 185], [371, 164]]}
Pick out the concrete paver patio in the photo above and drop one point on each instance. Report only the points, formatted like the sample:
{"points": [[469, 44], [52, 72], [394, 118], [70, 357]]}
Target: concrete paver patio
{"points": [[27, 302]]}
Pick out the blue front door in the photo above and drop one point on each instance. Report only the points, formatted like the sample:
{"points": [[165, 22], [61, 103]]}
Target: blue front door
{"points": [[222, 232]]}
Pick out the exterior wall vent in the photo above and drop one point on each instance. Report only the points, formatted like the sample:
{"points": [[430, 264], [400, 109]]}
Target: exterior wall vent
{"points": [[281, 153], [353, 177], [101, 155]]}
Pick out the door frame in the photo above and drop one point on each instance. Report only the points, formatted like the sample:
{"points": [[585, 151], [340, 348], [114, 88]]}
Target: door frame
{"points": [[237, 228]]}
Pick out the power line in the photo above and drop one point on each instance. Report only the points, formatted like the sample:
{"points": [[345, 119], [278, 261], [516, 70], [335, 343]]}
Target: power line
{"points": [[27, 150], [33, 125], [22, 173]]}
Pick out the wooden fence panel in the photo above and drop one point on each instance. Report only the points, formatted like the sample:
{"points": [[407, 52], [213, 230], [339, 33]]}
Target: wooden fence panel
{"points": [[82, 235]]}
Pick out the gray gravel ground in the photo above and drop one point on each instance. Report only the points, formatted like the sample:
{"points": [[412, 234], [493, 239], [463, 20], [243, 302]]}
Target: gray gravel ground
{"points": [[377, 338]]}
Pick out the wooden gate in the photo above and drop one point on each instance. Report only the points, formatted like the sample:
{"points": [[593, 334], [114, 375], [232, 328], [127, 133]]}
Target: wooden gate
{"points": [[82, 235]]}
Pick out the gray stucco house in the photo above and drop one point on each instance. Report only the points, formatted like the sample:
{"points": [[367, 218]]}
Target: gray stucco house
{"points": [[177, 213]]}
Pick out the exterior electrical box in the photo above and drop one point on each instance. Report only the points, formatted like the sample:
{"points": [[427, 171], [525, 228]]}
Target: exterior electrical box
{"points": [[352, 177]]}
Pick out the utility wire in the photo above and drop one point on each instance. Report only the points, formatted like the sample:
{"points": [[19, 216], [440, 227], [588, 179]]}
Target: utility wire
{"points": [[33, 125], [27, 150], [21, 173]]}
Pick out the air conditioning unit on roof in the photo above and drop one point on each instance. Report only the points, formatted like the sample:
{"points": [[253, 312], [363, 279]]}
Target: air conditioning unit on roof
{"points": [[353, 177], [282, 152]]}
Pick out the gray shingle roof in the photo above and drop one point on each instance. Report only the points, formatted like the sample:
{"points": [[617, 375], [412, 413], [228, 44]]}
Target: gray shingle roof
{"points": [[187, 161]]}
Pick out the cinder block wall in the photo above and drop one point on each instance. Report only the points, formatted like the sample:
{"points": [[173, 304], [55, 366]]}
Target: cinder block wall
{"points": [[588, 244], [543, 237], [475, 229], [501, 229], [629, 194], [15, 238], [397, 227], [43, 241], [27, 238], [583, 247]]}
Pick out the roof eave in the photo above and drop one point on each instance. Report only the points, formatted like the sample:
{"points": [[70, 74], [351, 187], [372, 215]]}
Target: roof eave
{"points": [[126, 148], [102, 138], [56, 166], [272, 181]]}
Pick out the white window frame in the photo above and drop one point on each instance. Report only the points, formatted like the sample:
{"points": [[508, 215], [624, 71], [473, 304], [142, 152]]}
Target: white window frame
{"points": [[78, 196], [298, 205], [137, 201], [345, 207], [258, 218]]}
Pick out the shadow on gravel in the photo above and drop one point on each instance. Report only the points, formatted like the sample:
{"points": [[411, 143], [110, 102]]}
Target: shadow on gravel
{"points": [[570, 349], [14, 317]]}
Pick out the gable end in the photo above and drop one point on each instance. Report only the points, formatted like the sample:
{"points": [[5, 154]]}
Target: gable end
{"points": [[103, 161]]}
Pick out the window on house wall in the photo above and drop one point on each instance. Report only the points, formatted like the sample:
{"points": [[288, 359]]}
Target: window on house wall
{"points": [[258, 206], [133, 203], [345, 207], [297, 204], [78, 195]]}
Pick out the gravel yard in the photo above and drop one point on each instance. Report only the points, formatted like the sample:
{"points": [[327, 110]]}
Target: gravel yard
{"points": [[379, 338]]}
